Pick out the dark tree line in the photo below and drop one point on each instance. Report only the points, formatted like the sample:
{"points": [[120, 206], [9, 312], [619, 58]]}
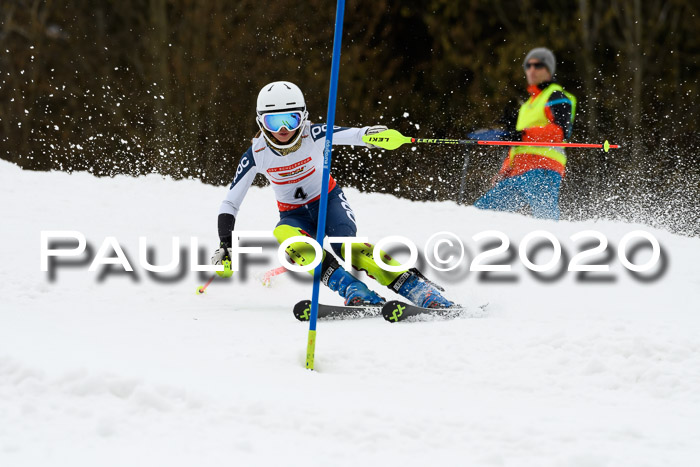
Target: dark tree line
{"points": [[169, 86]]}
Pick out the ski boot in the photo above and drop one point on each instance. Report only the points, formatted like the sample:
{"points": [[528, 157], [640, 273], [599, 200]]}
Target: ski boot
{"points": [[354, 291], [419, 290]]}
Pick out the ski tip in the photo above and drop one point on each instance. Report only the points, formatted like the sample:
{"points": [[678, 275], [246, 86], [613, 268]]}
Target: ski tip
{"points": [[302, 310], [393, 311]]}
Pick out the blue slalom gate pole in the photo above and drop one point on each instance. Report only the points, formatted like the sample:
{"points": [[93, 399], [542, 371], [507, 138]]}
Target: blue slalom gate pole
{"points": [[327, 153]]}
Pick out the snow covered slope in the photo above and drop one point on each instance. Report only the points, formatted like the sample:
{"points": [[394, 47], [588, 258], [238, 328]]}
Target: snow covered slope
{"points": [[125, 369]]}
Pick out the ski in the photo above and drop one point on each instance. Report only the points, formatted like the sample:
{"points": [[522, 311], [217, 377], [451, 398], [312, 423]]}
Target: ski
{"points": [[302, 311], [396, 310]]}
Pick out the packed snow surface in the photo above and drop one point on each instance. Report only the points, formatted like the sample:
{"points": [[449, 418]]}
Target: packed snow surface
{"points": [[116, 368]]}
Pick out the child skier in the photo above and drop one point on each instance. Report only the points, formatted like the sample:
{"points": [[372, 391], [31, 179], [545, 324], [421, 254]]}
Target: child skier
{"points": [[288, 151]]}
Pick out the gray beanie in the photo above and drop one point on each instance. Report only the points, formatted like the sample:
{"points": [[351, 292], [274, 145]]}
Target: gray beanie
{"points": [[544, 55]]}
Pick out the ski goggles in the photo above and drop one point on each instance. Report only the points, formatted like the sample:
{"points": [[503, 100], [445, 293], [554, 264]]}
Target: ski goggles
{"points": [[274, 122]]}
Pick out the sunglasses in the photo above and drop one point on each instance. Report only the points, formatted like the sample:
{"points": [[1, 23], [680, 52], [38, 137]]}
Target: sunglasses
{"points": [[274, 122], [538, 65]]}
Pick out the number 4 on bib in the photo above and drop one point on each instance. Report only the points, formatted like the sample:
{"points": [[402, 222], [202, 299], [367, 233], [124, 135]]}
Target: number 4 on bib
{"points": [[300, 194]]}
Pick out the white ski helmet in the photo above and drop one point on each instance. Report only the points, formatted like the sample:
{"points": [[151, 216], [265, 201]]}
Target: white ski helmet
{"points": [[276, 98]]}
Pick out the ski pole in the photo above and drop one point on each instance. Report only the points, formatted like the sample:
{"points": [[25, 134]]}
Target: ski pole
{"points": [[200, 290], [392, 139], [267, 277], [226, 273]]}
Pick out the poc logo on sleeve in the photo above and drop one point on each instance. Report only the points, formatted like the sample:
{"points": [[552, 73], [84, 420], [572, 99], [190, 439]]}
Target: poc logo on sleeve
{"points": [[319, 131], [245, 162]]}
